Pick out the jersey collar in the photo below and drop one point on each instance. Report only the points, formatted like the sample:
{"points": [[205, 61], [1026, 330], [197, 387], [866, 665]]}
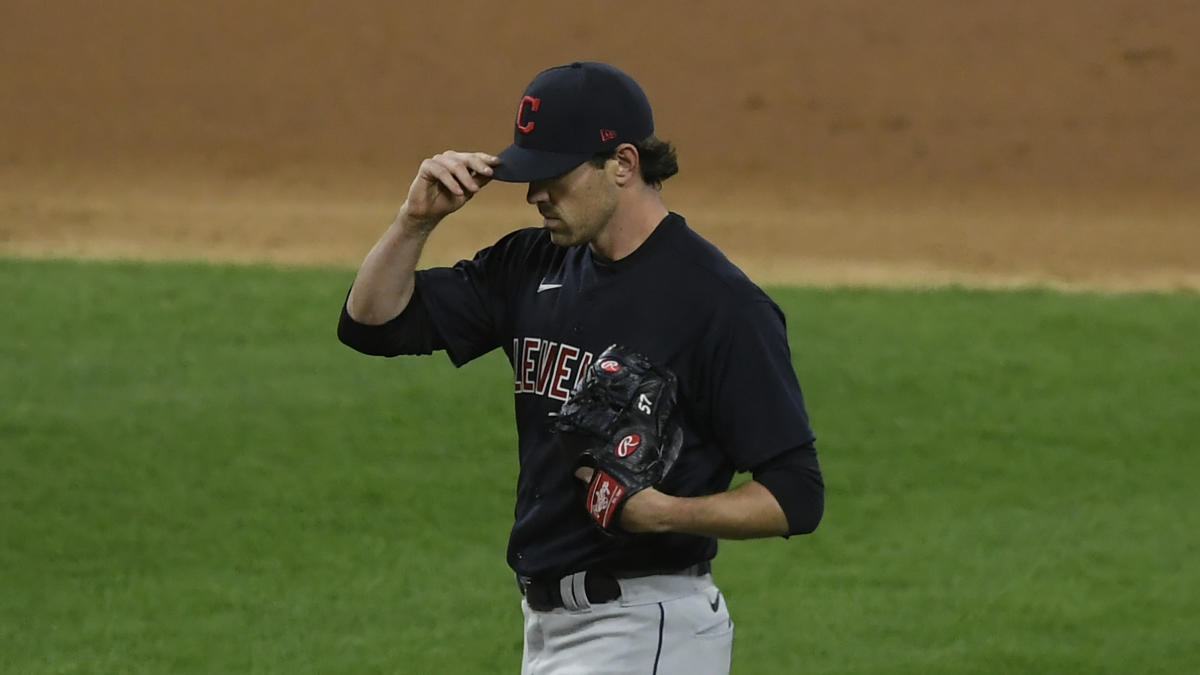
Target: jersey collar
{"points": [[658, 239]]}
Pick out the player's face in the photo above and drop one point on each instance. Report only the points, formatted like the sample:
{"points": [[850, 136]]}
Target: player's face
{"points": [[576, 206]]}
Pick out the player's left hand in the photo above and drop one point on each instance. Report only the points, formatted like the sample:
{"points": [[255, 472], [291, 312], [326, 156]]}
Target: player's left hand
{"points": [[619, 423]]}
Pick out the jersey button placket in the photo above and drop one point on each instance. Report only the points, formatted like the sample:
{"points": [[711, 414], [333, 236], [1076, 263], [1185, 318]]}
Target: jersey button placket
{"points": [[585, 300]]}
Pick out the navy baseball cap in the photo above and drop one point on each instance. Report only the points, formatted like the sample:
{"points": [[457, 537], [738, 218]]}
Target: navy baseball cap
{"points": [[570, 113]]}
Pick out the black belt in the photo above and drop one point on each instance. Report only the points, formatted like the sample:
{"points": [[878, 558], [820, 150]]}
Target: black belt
{"points": [[544, 595]]}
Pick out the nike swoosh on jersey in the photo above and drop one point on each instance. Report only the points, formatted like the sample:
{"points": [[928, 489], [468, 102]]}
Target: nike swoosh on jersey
{"points": [[548, 287], [716, 603]]}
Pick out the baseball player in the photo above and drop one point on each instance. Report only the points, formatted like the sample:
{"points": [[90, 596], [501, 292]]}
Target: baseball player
{"points": [[666, 369]]}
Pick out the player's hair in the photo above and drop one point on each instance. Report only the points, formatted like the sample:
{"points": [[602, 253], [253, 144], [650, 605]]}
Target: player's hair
{"points": [[658, 160]]}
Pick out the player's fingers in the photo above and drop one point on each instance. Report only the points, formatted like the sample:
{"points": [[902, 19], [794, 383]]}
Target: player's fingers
{"points": [[481, 162], [482, 180], [584, 473], [462, 171], [457, 164], [438, 172]]}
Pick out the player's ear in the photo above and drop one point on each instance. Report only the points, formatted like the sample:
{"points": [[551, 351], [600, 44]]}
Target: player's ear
{"points": [[628, 164]]}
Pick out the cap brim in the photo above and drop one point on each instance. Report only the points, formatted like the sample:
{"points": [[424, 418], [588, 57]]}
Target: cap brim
{"points": [[523, 165]]}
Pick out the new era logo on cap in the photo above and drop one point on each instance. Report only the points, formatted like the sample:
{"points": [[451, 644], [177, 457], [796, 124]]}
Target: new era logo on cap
{"points": [[570, 113]]}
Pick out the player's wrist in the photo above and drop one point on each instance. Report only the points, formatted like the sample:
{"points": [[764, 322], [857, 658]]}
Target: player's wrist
{"points": [[414, 224], [650, 511]]}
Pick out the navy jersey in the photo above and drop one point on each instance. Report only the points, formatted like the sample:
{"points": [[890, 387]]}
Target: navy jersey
{"points": [[678, 300]]}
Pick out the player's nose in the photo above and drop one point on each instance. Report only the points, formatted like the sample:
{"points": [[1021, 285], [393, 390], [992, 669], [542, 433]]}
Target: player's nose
{"points": [[537, 192]]}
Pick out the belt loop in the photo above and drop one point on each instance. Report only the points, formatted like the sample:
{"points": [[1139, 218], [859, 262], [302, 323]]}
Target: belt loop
{"points": [[574, 592]]}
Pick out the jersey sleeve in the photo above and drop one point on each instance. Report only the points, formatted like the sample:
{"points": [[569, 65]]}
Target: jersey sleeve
{"points": [[758, 409], [410, 332], [467, 302], [794, 478]]}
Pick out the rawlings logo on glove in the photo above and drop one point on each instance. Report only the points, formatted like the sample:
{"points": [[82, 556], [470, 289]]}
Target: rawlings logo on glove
{"points": [[603, 495], [628, 445], [618, 422]]}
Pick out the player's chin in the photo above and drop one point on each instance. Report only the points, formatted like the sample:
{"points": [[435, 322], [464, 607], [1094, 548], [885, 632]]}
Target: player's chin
{"points": [[560, 236]]}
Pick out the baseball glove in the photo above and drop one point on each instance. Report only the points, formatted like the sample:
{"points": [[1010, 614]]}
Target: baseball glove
{"points": [[619, 422]]}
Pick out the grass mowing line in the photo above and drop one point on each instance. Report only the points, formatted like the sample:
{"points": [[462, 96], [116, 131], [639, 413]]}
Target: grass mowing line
{"points": [[198, 478]]}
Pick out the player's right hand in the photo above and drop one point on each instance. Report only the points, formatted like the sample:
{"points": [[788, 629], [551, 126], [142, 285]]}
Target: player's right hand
{"points": [[444, 183]]}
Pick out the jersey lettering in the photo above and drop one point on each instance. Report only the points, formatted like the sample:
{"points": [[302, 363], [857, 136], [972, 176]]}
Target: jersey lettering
{"points": [[547, 368], [528, 365], [516, 355], [562, 371], [548, 353], [584, 364]]}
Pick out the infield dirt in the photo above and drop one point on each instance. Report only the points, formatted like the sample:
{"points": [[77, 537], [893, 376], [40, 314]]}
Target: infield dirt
{"points": [[828, 142]]}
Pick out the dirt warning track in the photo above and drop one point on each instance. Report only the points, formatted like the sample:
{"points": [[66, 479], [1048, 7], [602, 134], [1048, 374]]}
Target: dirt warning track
{"points": [[862, 142]]}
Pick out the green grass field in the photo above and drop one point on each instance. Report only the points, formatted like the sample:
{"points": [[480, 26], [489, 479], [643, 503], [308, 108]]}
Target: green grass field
{"points": [[196, 477]]}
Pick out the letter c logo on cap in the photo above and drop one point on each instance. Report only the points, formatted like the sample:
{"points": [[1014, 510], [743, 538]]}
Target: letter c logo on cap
{"points": [[534, 104]]}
